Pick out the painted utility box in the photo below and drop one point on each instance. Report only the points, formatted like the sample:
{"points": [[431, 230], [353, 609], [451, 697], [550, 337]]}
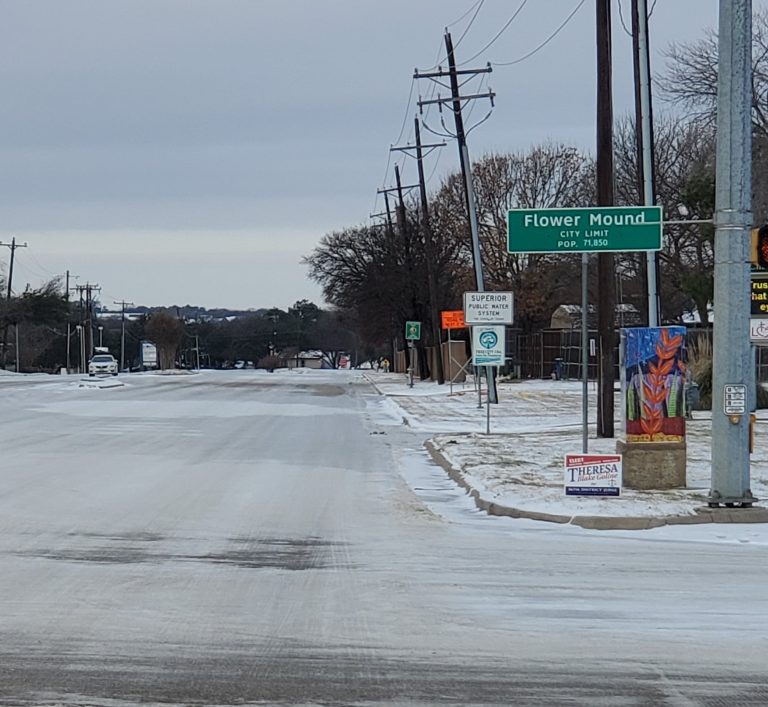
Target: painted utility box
{"points": [[653, 369]]}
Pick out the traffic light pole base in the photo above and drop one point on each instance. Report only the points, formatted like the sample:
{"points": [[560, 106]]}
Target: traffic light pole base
{"points": [[717, 501]]}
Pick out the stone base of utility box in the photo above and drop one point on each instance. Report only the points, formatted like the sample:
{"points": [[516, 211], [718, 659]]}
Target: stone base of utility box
{"points": [[653, 465]]}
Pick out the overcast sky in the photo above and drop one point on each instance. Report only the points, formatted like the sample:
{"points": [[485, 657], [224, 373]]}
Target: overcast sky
{"points": [[192, 151]]}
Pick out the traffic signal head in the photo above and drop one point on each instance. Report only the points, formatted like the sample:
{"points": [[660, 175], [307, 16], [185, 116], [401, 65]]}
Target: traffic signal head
{"points": [[761, 254]]}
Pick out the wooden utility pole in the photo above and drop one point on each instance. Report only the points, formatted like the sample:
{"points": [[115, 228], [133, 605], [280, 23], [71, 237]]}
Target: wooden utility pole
{"points": [[123, 304], [13, 245], [455, 103], [402, 226], [400, 220], [86, 321], [606, 299], [429, 251]]}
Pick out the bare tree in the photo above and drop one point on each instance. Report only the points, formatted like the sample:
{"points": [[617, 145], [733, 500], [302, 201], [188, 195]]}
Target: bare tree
{"points": [[690, 81], [166, 332], [684, 167], [549, 175]]}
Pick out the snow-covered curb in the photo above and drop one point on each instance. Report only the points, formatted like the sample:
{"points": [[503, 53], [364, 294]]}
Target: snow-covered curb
{"points": [[650, 515]]}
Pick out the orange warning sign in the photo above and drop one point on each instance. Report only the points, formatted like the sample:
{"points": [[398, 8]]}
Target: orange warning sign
{"points": [[453, 319]]}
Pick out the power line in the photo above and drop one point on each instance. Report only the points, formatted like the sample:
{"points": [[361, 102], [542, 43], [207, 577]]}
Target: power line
{"points": [[498, 34], [407, 110], [455, 22], [545, 42], [476, 7], [471, 22]]}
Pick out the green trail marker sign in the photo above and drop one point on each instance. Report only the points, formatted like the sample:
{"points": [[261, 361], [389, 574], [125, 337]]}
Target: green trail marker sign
{"points": [[412, 331], [597, 228]]}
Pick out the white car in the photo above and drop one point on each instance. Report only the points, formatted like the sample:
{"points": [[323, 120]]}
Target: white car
{"points": [[102, 363]]}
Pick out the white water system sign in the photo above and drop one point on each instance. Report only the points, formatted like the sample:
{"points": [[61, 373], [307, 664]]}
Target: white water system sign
{"points": [[488, 345], [488, 308]]}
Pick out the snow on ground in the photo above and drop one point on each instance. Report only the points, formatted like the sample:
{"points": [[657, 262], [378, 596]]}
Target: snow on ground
{"points": [[520, 464]]}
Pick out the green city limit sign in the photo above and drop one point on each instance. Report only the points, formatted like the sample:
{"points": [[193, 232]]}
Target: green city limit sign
{"points": [[597, 228]]}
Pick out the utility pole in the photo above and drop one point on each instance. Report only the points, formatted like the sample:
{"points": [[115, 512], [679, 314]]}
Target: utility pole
{"points": [[13, 245], [402, 226], [400, 219], [69, 318], [733, 372], [455, 102], [123, 304], [69, 324], [86, 317], [606, 300], [429, 250], [644, 134]]}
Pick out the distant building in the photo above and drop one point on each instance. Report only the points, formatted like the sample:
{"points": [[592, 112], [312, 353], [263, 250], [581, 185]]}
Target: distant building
{"points": [[568, 316], [305, 359]]}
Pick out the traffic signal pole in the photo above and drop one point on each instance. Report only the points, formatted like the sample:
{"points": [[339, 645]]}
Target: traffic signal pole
{"points": [[733, 377]]}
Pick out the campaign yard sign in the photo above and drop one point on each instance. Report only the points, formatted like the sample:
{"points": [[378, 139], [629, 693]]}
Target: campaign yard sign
{"points": [[593, 474]]}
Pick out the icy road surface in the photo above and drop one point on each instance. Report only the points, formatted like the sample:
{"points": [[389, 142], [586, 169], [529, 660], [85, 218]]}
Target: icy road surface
{"points": [[246, 538]]}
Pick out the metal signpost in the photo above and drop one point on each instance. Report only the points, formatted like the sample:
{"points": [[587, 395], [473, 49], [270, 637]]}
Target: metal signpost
{"points": [[584, 230], [489, 348], [450, 320], [412, 333]]}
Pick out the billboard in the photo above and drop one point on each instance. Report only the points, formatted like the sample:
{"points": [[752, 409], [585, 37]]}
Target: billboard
{"points": [[148, 354]]}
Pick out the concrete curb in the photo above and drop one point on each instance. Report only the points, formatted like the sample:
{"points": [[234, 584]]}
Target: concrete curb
{"points": [[701, 514], [373, 384]]}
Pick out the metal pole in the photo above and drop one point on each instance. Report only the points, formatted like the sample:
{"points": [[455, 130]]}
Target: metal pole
{"points": [[197, 350], [69, 334], [487, 415], [733, 223], [479, 381], [66, 297], [16, 330], [584, 354], [647, 155], [410, 364], [450, 358]]}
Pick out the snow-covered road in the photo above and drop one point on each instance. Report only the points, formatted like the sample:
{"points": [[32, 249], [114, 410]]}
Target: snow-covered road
{"points": [[240, 537]]}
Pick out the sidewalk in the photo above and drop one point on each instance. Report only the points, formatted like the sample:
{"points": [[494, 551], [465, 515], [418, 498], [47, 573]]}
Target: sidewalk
{"points": [[517, 470]]}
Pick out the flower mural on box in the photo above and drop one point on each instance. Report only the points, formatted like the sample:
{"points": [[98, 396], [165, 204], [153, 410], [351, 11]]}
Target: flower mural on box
{"points": [[654, 370]]}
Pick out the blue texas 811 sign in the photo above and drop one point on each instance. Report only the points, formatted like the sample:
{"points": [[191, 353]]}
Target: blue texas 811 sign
{"points": [[488, 345]]}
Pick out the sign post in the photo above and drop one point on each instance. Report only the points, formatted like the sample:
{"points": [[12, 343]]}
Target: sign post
{"points": [[412, 333], [450, 320], [584, 230]]}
